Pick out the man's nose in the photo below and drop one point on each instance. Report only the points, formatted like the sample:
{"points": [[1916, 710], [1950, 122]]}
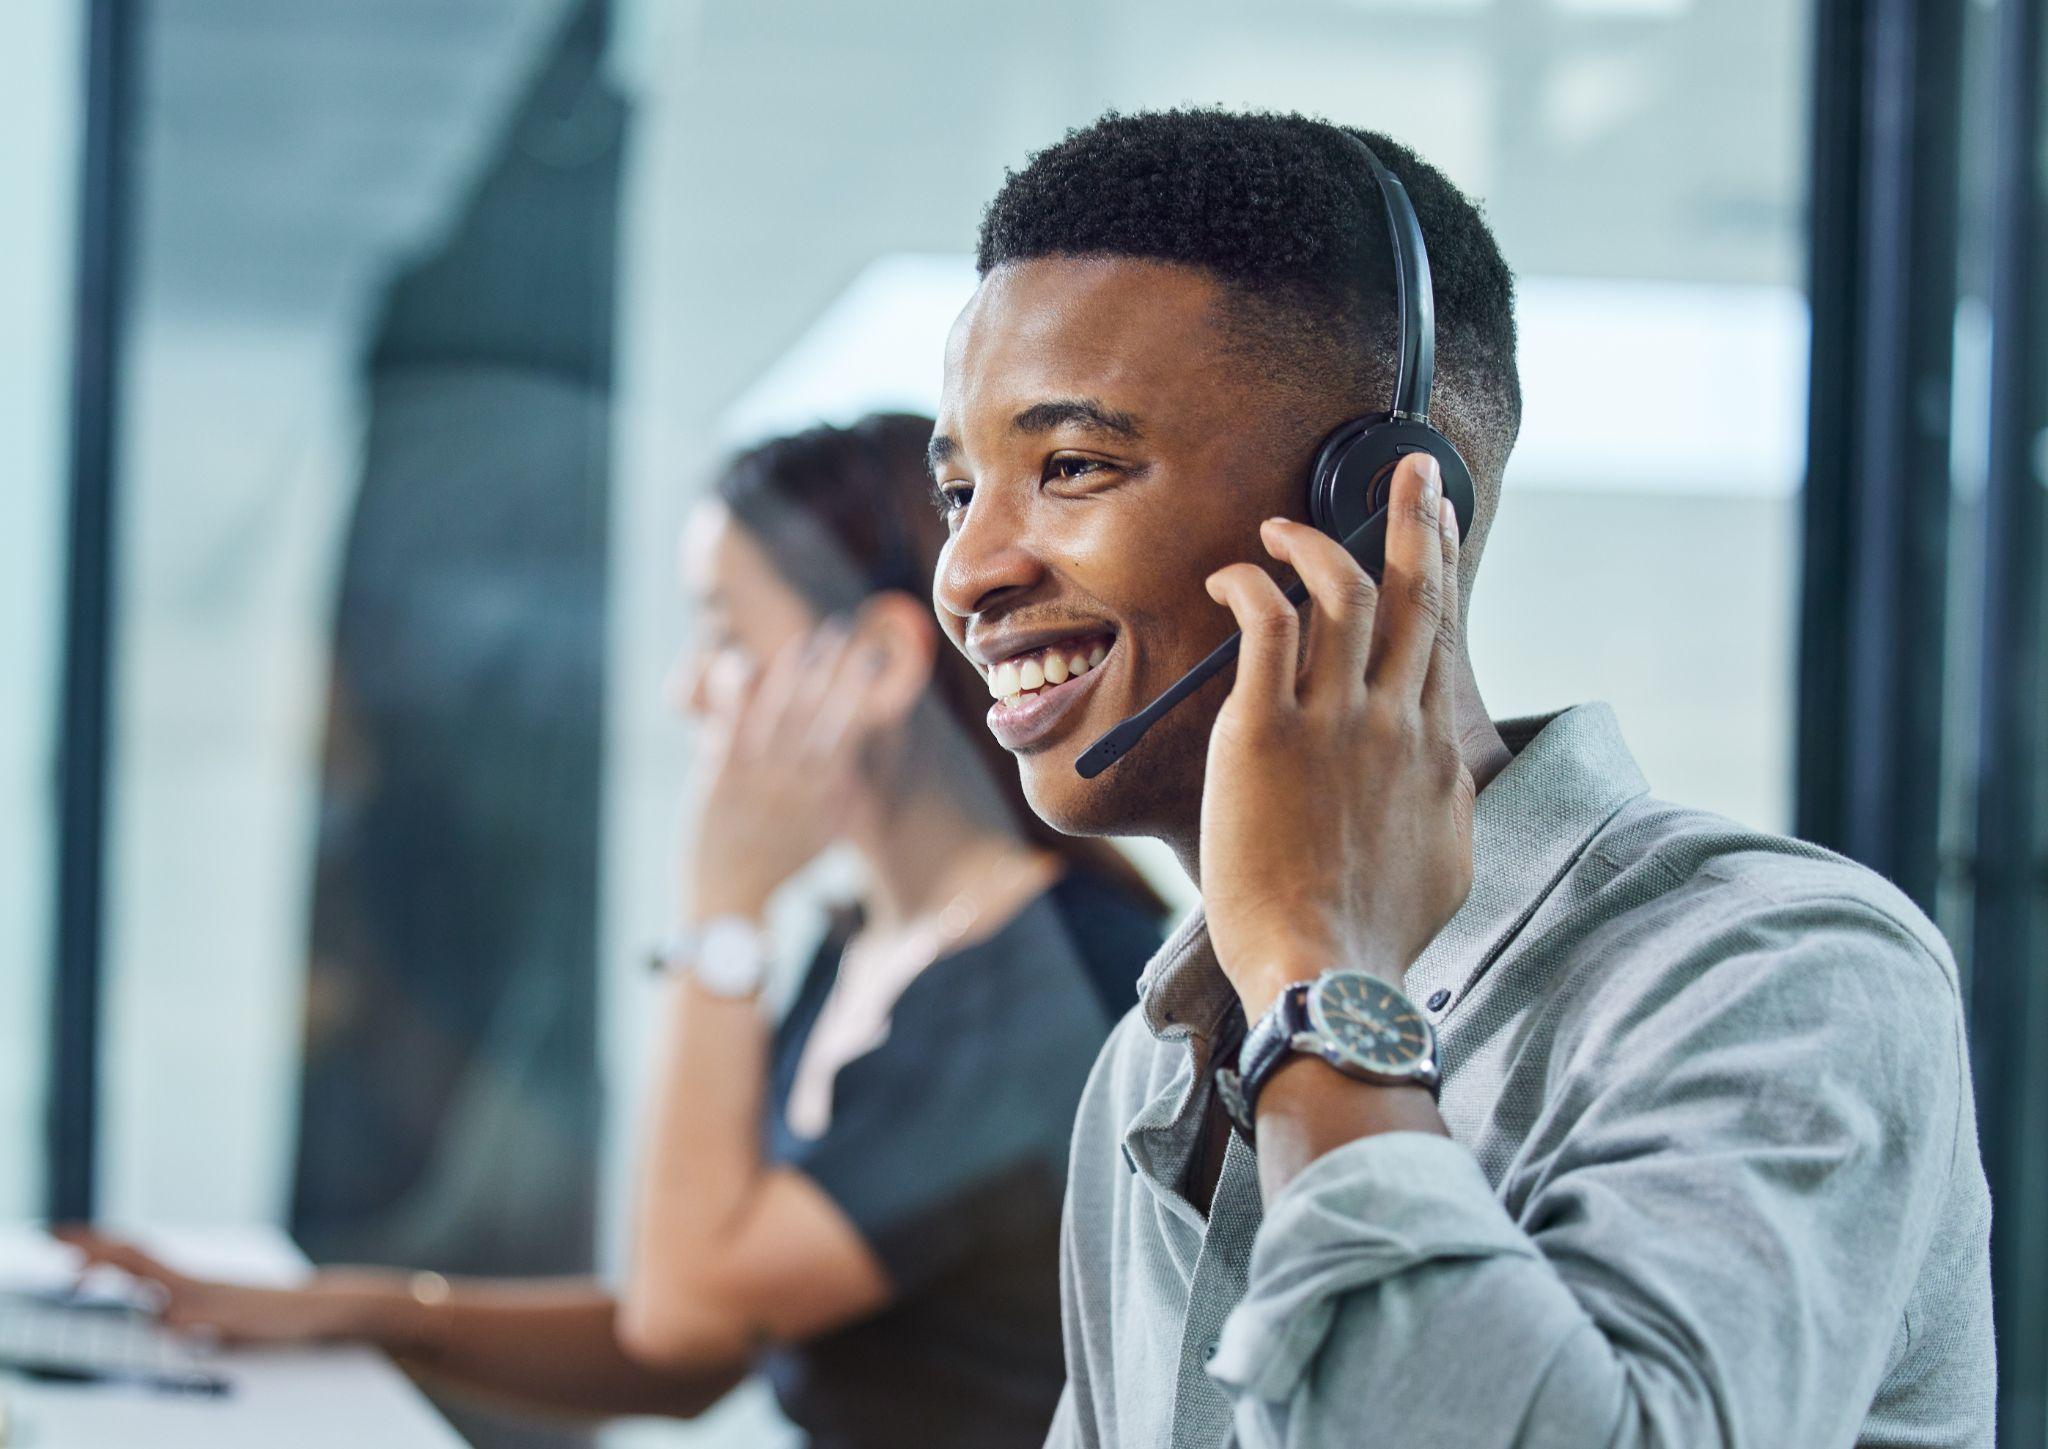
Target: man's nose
{"points": [[990, 556]]}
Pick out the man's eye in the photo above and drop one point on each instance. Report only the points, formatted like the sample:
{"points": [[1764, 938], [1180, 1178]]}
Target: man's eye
{"points": [[951, 498], [1074, 467]]}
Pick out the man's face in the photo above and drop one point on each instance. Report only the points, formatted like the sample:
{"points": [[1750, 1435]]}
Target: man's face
{"points": [[1102, 451]]}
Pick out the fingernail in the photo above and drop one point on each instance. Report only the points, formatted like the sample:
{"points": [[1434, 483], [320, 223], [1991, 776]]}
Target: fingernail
{"points": [[1447, 518]]}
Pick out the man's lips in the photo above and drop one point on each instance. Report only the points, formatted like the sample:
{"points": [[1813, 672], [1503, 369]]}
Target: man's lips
{"points": [[1023, 721]]}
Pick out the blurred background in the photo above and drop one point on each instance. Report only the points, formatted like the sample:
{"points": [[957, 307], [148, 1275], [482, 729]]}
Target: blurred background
{"points": [[358, 362]]}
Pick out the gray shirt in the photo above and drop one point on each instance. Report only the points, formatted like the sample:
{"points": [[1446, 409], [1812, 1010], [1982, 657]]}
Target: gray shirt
{"points": [[1712, 1176]]}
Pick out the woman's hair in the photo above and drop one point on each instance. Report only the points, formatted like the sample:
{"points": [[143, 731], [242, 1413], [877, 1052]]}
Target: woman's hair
{"points": [[845, 513]]}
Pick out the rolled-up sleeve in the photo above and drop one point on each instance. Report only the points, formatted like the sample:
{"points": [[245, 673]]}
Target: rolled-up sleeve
{"points": [[1707, 1237]]}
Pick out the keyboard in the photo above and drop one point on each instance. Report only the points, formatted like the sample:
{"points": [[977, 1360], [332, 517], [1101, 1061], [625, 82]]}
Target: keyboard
{"points": [[54, 1338]]}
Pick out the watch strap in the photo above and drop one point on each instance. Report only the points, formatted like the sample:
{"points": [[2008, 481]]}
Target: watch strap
{"points": [[1288, 1028], [1269, 1043]]}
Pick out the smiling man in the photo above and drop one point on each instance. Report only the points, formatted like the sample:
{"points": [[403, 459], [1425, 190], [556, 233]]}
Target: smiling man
{"points": [[1563, 1115]]}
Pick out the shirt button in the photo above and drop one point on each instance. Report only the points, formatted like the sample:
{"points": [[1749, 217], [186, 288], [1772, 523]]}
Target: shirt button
{"points": [[1209, 1353], [1437, 999]]}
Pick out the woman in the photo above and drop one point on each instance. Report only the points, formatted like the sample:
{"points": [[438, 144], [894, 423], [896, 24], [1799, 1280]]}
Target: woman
{"points": [[864, 1201]]}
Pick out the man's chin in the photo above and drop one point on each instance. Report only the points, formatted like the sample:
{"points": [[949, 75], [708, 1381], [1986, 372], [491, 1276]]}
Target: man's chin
{"points": [[1156, 790], [1120, 801], [1065, 801]]}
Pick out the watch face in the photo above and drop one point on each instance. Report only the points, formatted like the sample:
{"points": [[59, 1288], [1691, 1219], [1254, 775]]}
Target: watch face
{"points": [[731, 957], [1368, 1025]]}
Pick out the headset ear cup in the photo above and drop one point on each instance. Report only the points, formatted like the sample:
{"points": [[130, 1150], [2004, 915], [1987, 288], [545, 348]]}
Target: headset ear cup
{"points": [[1328, 478], [1353, 479]]}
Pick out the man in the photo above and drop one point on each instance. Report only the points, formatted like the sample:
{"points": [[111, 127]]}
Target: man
{"points": [[1703, 1168]]}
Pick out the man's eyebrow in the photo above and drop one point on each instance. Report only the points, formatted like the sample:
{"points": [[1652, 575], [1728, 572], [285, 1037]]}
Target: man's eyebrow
{"points": [[1082, 412]]}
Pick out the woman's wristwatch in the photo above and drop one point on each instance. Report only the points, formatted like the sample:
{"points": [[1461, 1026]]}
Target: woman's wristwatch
{"points": [[1353, 1020], [729, 955]]}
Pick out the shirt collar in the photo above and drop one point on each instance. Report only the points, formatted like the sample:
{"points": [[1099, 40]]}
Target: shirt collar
{"points": [[1571, 772]]}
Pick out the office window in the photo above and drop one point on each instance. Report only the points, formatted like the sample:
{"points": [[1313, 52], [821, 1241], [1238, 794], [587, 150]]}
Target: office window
{"points": [[40, 68]]}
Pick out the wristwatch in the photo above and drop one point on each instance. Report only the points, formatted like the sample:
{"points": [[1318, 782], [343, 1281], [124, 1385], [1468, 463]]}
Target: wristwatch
{"points": [[1356, 1022], [728, 955]]}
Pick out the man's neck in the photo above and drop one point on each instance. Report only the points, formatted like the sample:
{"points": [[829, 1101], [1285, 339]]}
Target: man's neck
{"points": [[1480, 744]]}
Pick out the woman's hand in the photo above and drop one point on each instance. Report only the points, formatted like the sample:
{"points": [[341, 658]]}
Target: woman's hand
{"points": [[1337, 809], [776, 766], [361, 1305]]}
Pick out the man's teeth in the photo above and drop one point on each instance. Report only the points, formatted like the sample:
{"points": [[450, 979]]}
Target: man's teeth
{"points": [[1049, 666]]}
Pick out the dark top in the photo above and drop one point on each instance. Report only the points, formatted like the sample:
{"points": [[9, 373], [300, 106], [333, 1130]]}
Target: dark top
{"points": [[948, 1150]]}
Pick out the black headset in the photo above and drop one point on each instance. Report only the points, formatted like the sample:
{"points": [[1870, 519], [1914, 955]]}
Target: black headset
{"points": [[1354, 469]]}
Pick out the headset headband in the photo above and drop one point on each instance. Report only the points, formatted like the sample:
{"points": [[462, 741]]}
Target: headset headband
{"points": [[1414, 300]]}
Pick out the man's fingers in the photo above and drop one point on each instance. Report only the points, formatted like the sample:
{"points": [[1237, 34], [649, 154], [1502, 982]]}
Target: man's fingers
{"points": [[1411, 591], [1343, 600], [1271, 628], [1438, 689]]}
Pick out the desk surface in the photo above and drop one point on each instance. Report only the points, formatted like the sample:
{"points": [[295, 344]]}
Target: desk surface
{"points": [[307, 1398]]}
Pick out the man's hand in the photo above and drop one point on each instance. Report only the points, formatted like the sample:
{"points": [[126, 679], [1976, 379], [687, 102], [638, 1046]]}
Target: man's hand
{"points": [[776, 770], [1337, 811]]}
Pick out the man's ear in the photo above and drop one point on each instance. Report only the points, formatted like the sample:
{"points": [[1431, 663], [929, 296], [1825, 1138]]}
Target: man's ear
{"points": [[900, 638]]}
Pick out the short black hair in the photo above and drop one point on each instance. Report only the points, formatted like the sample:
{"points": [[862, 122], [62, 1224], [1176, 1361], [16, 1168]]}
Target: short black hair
{"points": [[1283, 211]]}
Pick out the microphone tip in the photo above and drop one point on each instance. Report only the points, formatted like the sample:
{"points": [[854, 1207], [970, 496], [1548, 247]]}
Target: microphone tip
{"points": [[1111, 747], [1096, 758]]}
